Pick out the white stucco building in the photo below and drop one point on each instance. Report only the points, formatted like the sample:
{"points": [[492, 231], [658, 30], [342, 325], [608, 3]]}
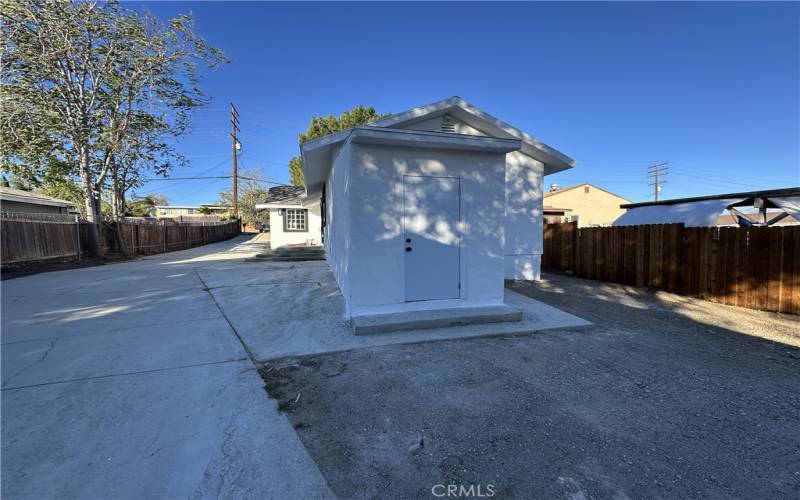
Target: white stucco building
{"points": [[294, 218], [431, 208]]}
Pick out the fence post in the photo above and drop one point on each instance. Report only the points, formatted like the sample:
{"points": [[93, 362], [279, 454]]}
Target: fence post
{"points": [[78, 235]]}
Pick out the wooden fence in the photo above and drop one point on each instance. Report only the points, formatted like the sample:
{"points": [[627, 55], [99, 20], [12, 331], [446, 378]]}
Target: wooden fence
{"points": [[757, 268], [30, 240]]}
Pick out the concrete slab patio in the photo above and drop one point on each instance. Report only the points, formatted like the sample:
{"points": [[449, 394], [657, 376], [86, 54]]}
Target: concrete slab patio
{"points": [[295, 309]]}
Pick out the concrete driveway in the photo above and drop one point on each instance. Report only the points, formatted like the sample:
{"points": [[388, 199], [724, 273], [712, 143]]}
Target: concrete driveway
{"points": [[127, 381]]}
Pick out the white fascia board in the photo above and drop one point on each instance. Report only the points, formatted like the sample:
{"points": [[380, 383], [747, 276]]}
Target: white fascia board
{"points": [[417, 114], [437, 140], [317, 155], [317, 158], [266, 206]]}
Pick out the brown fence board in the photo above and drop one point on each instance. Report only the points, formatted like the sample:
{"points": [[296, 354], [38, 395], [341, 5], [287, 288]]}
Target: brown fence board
{"points": [[26, 241], [33, 240], [757, 267]]}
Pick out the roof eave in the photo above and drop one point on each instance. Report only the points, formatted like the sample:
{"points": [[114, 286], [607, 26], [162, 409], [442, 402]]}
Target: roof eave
{"points": [[36, 201], [317, 155]]}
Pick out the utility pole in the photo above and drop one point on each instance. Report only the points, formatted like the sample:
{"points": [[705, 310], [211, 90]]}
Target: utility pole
{"points": [[657, 172], [235, 148]]}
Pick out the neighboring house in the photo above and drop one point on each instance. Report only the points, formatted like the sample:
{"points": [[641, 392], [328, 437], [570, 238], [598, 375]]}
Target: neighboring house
{"points": [[586, 204], [294, 219], [772, 207], [17, 200], [170, 211], [430, 208]]}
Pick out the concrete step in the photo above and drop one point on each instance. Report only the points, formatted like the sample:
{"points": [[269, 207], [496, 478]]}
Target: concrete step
{"points": [[292, 254], [299, 249], [439, 318], [287, 258]]}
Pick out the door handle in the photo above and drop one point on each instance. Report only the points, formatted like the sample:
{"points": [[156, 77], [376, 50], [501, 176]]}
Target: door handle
{"points": [[408, 249]]}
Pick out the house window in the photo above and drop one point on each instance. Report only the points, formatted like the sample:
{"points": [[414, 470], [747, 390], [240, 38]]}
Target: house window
{"points": [[585, 189], [295, 219]]}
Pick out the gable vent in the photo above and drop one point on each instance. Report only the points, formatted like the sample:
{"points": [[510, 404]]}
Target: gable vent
{"points": [[448, 125]]}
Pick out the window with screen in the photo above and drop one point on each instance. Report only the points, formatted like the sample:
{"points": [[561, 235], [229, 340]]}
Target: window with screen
{"points": [[295, 219]]}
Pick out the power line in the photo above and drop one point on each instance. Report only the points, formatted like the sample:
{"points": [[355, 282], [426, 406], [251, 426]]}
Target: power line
{"points": [[223, 162], [215, 177], [154, 179]]}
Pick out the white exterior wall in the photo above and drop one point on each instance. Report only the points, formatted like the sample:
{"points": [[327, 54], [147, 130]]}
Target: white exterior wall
{"points": [[376, 256], [337, 222], [279, 238], [523, 186], [524, 207]]}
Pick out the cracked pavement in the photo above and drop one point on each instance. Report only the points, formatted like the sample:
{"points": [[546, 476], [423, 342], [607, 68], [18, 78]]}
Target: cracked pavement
{"points": [[128, 381]]}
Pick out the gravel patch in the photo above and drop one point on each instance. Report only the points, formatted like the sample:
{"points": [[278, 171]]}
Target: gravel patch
{"points": [[663, 397]]}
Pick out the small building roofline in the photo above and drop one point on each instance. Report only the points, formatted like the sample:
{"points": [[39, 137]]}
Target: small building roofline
{"points": [[547, 194], [31, 198], [792, 191]]}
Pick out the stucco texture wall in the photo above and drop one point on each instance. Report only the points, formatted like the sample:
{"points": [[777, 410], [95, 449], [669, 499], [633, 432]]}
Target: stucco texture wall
{"points": [[377, 272], [337, 222], [523, 198], [593, 208]]}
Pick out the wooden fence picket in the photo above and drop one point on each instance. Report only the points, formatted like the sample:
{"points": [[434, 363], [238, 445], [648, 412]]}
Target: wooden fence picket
{"points": [[756, 267]]}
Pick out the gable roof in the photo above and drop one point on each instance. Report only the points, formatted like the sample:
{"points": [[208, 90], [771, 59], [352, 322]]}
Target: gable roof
{"points": [[554, 160], [317, 154], [20, 196], [552, 193]]}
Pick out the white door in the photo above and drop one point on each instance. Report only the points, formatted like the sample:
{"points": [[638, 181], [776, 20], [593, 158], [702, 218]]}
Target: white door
{"points": [[432, 239]]}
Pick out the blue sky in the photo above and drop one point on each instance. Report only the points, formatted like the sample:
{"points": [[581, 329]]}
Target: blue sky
{"points": [[711, 87]]}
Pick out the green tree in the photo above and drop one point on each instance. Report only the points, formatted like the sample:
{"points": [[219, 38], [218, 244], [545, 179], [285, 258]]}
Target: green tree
{"points": [[251, 192], [67, 190], [324, 125], [144, 206], [86, 81]]}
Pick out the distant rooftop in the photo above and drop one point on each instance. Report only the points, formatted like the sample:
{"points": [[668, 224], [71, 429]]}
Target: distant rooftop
{"points": [[193, 206], [792, 191], [18, 195], [286, 195]]}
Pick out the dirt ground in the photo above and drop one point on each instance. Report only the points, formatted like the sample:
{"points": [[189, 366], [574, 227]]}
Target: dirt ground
{"points": [[665, 397]]}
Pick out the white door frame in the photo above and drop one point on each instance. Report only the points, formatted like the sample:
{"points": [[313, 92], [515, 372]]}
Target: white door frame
{"points": [[459, 226]]}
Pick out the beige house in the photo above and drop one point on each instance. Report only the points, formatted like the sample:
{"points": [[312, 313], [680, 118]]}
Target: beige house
{"points": [[174, 211], [585, 203]]}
